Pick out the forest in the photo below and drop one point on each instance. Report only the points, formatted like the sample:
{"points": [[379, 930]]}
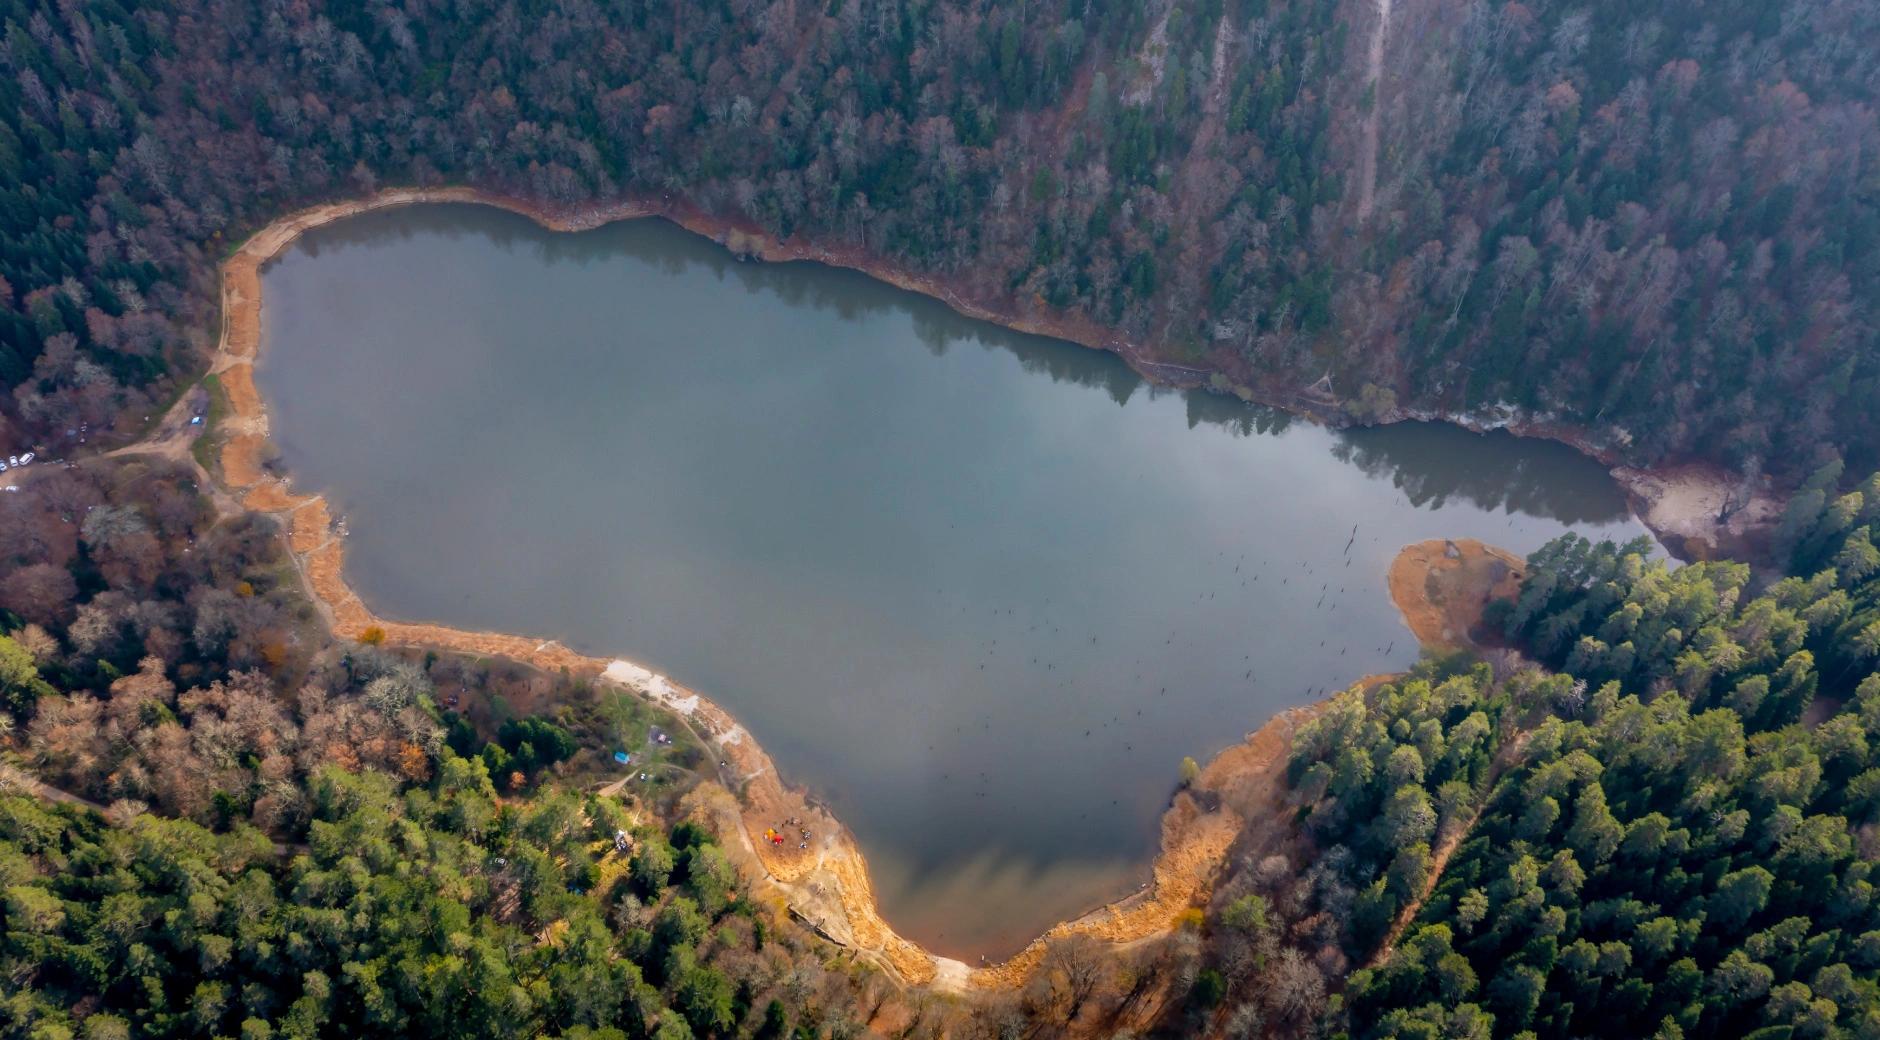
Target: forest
{"points": [[217, 820], [1652, 812], [1667, 829], [1654, 234]]}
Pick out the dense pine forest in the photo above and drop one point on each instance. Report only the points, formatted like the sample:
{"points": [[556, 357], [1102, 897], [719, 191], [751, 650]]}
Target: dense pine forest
{"points": [[1659, 229], [1651, 812], [1671, 835]]}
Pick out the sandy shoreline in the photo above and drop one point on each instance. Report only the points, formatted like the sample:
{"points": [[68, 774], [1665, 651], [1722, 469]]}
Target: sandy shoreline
{"points": [[828, 885], [1441, 586]]}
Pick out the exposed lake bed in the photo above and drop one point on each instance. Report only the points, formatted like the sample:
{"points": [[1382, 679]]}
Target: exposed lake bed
{"points": [[981, 591]]}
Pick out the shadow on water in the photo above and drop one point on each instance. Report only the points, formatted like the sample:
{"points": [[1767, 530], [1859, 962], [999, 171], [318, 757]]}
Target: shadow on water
{"points": [[850, 295], [679, 476], [1502, 472]]}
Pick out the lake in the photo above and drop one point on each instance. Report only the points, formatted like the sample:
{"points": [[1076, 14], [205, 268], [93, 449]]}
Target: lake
{"points": [[980, 591]]}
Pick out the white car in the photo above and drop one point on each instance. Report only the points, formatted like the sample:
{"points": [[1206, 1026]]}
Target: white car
{"points": [[13, 460], [26, 458]]}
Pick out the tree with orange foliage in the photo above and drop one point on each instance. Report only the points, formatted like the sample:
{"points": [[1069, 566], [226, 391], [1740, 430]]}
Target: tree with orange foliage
{"points": [[413, 763]]}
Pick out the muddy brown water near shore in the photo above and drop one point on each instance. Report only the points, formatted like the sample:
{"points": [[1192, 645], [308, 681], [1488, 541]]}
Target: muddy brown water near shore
{"points": [[936, 567]]}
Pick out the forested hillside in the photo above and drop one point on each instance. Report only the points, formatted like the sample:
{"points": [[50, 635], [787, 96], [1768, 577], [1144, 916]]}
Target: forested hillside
{"points": [[1673, 835], [1657, 226], [441, 913], [215, 820], [302, 839], [1667, 828]]}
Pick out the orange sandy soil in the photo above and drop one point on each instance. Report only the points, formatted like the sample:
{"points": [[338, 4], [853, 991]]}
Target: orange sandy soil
{"points": [[1442, 587], [312, 525], [826, 885]]}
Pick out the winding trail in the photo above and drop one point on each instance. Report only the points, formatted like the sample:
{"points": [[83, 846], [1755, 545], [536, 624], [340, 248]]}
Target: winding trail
{"points": [[1446, 846], [1442, 587], [12, 777]]}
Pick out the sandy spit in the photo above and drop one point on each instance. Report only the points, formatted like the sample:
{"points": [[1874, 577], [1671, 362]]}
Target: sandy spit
{"points": [[826, 885], [1442, 586]]}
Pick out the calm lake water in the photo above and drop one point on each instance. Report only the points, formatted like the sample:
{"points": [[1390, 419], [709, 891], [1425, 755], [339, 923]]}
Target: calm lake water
{"points": [[979, 590]]}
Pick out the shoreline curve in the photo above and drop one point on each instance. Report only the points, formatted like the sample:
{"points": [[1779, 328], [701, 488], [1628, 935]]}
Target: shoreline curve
{"points": [[828, 887], [1697, 510]]}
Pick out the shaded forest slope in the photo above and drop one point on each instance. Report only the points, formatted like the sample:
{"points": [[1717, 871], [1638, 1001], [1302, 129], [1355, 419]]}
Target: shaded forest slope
{"points": [[1649, 234]]}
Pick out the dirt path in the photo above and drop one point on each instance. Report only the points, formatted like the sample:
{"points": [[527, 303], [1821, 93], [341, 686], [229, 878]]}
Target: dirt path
{"points": [[1446, 847], [1442, 588], [12, 777], [1368, 143], [172, 436]]}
